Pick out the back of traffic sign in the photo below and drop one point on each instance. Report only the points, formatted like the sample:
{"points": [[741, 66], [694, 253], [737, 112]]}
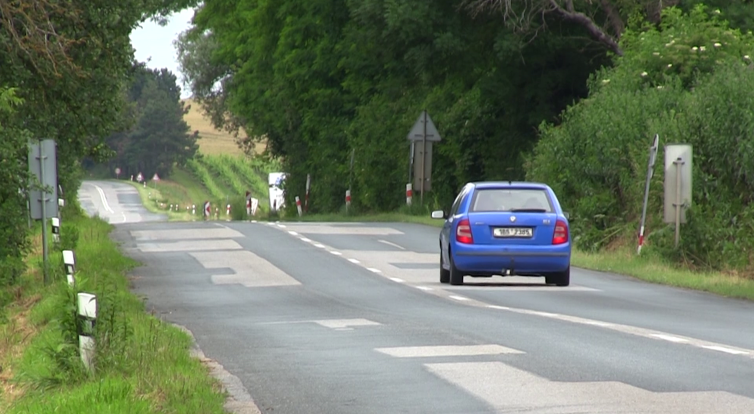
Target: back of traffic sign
{"points": [[418, 131]]}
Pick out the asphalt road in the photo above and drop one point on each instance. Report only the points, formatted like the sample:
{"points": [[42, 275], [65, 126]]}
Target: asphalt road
{"points": [[351, 318]]}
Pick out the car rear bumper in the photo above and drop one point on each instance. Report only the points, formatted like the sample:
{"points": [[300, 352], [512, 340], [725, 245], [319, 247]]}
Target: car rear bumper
{"points": [[492, 259]]}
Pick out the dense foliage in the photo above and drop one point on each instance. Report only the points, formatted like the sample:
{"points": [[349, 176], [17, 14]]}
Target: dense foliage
{"points": [[159, 137], [64, 67], [329, 77], [689, 81], [337, 77]]}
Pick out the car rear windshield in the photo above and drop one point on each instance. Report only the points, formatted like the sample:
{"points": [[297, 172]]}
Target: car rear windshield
{"points": [[511, 199]]}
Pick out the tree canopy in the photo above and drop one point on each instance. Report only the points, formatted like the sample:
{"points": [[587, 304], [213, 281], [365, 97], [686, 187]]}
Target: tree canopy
{"points": [[63, 69], [159, 137], [330, 77]]}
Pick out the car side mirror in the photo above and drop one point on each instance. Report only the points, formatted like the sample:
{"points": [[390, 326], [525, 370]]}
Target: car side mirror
{"points": [[567, 215], [438, 214]]}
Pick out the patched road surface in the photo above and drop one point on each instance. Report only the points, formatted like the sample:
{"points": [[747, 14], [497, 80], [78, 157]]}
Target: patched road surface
{"points": [[351, 318]]}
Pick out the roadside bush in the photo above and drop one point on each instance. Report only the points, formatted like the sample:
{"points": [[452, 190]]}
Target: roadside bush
{"points": [[688, 81], [69, 235]]}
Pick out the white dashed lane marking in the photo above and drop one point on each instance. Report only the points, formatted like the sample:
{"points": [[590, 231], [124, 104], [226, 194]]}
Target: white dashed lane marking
{"points": [[444, 351], [391, 244], [345, 323], [632, 330], [670, 338]]}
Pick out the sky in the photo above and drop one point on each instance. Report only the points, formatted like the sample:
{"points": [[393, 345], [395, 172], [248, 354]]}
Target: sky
{"points": [[155, 42]]}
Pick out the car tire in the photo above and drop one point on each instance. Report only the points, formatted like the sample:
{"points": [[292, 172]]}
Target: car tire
{"points": [[444, 273], [456, 277], [560, 278]]}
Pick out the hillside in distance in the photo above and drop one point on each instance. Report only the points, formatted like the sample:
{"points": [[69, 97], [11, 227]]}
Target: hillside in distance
{"points": [[212, 141]]}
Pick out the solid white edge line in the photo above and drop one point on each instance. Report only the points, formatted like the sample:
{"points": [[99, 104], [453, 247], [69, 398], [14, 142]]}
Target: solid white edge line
{"points": [[612, 326], [724, 349], [670, 338]]}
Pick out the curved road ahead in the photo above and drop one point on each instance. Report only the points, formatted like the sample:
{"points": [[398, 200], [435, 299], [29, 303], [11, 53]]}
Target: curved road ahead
{"points": [[351, 318]]}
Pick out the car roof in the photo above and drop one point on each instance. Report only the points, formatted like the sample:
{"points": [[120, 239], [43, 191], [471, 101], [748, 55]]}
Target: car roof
{"points": [[498, 184]]}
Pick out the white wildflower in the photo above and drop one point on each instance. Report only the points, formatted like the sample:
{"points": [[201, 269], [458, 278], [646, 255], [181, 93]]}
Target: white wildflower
{"points": [[605, 81], [659, 87], [746, 57], [702, 49], [717, 11], [670, 65], [643, 74], [656, 53], [694, 49], [717, 45]]}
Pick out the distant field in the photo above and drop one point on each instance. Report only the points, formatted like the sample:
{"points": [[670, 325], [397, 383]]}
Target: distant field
{"points": [[212, 141]]}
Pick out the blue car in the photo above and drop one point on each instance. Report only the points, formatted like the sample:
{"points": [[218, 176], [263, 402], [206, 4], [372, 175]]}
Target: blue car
{"points": [[505, 228]]}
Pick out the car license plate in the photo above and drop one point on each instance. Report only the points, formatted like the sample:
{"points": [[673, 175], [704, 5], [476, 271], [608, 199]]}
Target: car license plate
{"points": [[512, 232]]}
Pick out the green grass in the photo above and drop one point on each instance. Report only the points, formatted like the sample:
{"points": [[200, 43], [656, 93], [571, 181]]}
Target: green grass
{"points": [[223, 170], [143, 365], [254, 172], [209, 180], [221, 179], [647, 267]]}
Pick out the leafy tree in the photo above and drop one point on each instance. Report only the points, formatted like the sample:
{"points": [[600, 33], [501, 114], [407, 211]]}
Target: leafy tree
{"points": [[159, 137], [13, 176], [321, 81], [687, 81], [67, 65]]}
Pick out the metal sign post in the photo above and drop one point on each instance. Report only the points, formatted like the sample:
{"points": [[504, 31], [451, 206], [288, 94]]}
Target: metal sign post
{"points": [[43, 202], [678, 185], [424, 130], [678, 202], [650, 173]]}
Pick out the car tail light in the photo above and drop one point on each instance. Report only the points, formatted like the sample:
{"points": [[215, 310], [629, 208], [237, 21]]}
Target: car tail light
{"points": [[561, 233], [463, 232]]}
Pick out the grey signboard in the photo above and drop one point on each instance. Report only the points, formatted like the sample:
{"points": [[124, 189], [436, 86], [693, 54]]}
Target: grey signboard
{"points": [[44, 170], [678, 181]]}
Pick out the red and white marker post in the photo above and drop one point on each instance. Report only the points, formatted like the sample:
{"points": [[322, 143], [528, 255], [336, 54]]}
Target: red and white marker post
{"points": [[348, 199], [298, 206], [306, 196], [409, 194], [227, 211], [207, 210]]}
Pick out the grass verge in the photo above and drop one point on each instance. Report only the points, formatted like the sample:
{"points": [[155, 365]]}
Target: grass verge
{"points": [[142, 364], [647, 267]]}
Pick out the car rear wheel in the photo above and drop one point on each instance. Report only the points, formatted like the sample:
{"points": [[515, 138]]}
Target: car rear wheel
{"points": [[560, 278], [444, 273], [456, 277]]}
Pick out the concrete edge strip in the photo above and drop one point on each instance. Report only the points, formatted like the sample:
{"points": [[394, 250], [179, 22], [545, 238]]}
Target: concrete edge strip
{"points": [[626, 329], [238, 401]]}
